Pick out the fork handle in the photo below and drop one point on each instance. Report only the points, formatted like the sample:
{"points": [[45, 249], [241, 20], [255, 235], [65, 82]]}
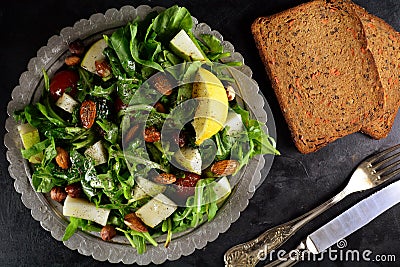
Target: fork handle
{"points": [[251, 252]]}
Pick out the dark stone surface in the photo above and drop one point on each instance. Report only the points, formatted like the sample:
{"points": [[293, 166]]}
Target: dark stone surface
{"points": [[295, 184]]}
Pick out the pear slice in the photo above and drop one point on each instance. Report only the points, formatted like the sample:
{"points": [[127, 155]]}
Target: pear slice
{"points": [[67, 103], [30, 136], [222, 189], [97, 152], [189, 159], [234, 122], [183, 46], [145, 188], [212, 110], [95, 53]]}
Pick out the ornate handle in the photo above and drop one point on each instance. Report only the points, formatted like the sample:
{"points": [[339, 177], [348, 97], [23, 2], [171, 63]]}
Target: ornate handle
{"points": [[250, 253]]}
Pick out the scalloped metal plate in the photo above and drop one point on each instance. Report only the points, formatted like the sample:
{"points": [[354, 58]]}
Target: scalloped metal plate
{"points": [[48, 213]]}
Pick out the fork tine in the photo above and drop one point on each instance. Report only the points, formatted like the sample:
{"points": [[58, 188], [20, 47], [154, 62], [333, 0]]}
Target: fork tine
{"points": [[389, 176], [383, 153], [382, 162], [387, 168]]}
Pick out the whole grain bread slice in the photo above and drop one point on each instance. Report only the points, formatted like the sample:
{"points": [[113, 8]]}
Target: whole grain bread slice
{"points": [[322, 72], [384, 43]]}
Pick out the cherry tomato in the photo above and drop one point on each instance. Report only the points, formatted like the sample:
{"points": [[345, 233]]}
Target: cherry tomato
{"points": [[61, 81], [185, 186]]}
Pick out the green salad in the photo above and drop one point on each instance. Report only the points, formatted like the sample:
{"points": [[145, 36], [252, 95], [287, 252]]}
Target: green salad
{"points": [[112, 139]]}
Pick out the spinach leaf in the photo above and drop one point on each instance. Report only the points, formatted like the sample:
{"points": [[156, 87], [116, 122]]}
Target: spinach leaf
{"points": [[120, 42], [116, 66], [212, 43], [169, 22], [136, 48], [49, 113], [35, 149], [50, 152]]}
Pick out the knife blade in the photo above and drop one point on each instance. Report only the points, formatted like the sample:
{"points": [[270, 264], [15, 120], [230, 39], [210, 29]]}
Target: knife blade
{"points": [[345, 224], [353, 219]]}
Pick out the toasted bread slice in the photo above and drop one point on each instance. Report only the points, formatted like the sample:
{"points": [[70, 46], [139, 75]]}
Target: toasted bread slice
{"points": [[384, 43], [322, 72]]}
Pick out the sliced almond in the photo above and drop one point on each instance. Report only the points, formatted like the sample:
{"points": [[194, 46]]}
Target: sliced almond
{"points": [[135, 223], [165, 178], [225, 167]]}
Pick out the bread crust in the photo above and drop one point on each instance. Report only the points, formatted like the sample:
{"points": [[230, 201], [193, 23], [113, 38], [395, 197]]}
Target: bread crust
{"points": [[384, 43], [308, 92]]}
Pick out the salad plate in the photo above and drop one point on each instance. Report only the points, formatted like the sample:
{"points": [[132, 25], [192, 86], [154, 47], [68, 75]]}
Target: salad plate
{"points": [[49, 213]]}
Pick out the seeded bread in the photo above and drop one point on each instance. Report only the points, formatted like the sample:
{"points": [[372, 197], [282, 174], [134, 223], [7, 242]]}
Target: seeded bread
{"points": [[384, 43], [322, 72]]}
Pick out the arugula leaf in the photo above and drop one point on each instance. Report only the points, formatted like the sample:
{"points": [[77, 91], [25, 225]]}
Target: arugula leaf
{"points": [[263, 143], [138, 239], [42, 179], [46, 80], [111, 130], [71, 228], [116, 66], [224, 144], [75, 224], [99, 91]]}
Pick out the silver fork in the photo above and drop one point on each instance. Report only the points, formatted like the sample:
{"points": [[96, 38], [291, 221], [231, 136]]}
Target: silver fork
{"points": [[371, 172]]}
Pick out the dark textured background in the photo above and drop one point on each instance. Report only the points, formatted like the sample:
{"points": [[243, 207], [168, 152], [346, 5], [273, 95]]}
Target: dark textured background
{"points": [[295, 184]]}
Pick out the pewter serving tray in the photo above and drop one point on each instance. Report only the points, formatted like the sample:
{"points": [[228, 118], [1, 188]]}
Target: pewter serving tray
{"points": [[49, 213]]}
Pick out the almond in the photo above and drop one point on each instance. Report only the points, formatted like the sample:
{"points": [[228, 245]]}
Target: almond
{"points": [[102, 68], [151, 135], [131, 133], [162, 84], [108, 232], [72, 60], [62, 158], [58, 194], [160, 107], [230, 92], [225, 167], [165, 178], [88, 113], [135, 223]]}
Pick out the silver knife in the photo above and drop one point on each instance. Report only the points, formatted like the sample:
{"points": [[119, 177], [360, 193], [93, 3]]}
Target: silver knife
{"points": [[345, 224]]}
